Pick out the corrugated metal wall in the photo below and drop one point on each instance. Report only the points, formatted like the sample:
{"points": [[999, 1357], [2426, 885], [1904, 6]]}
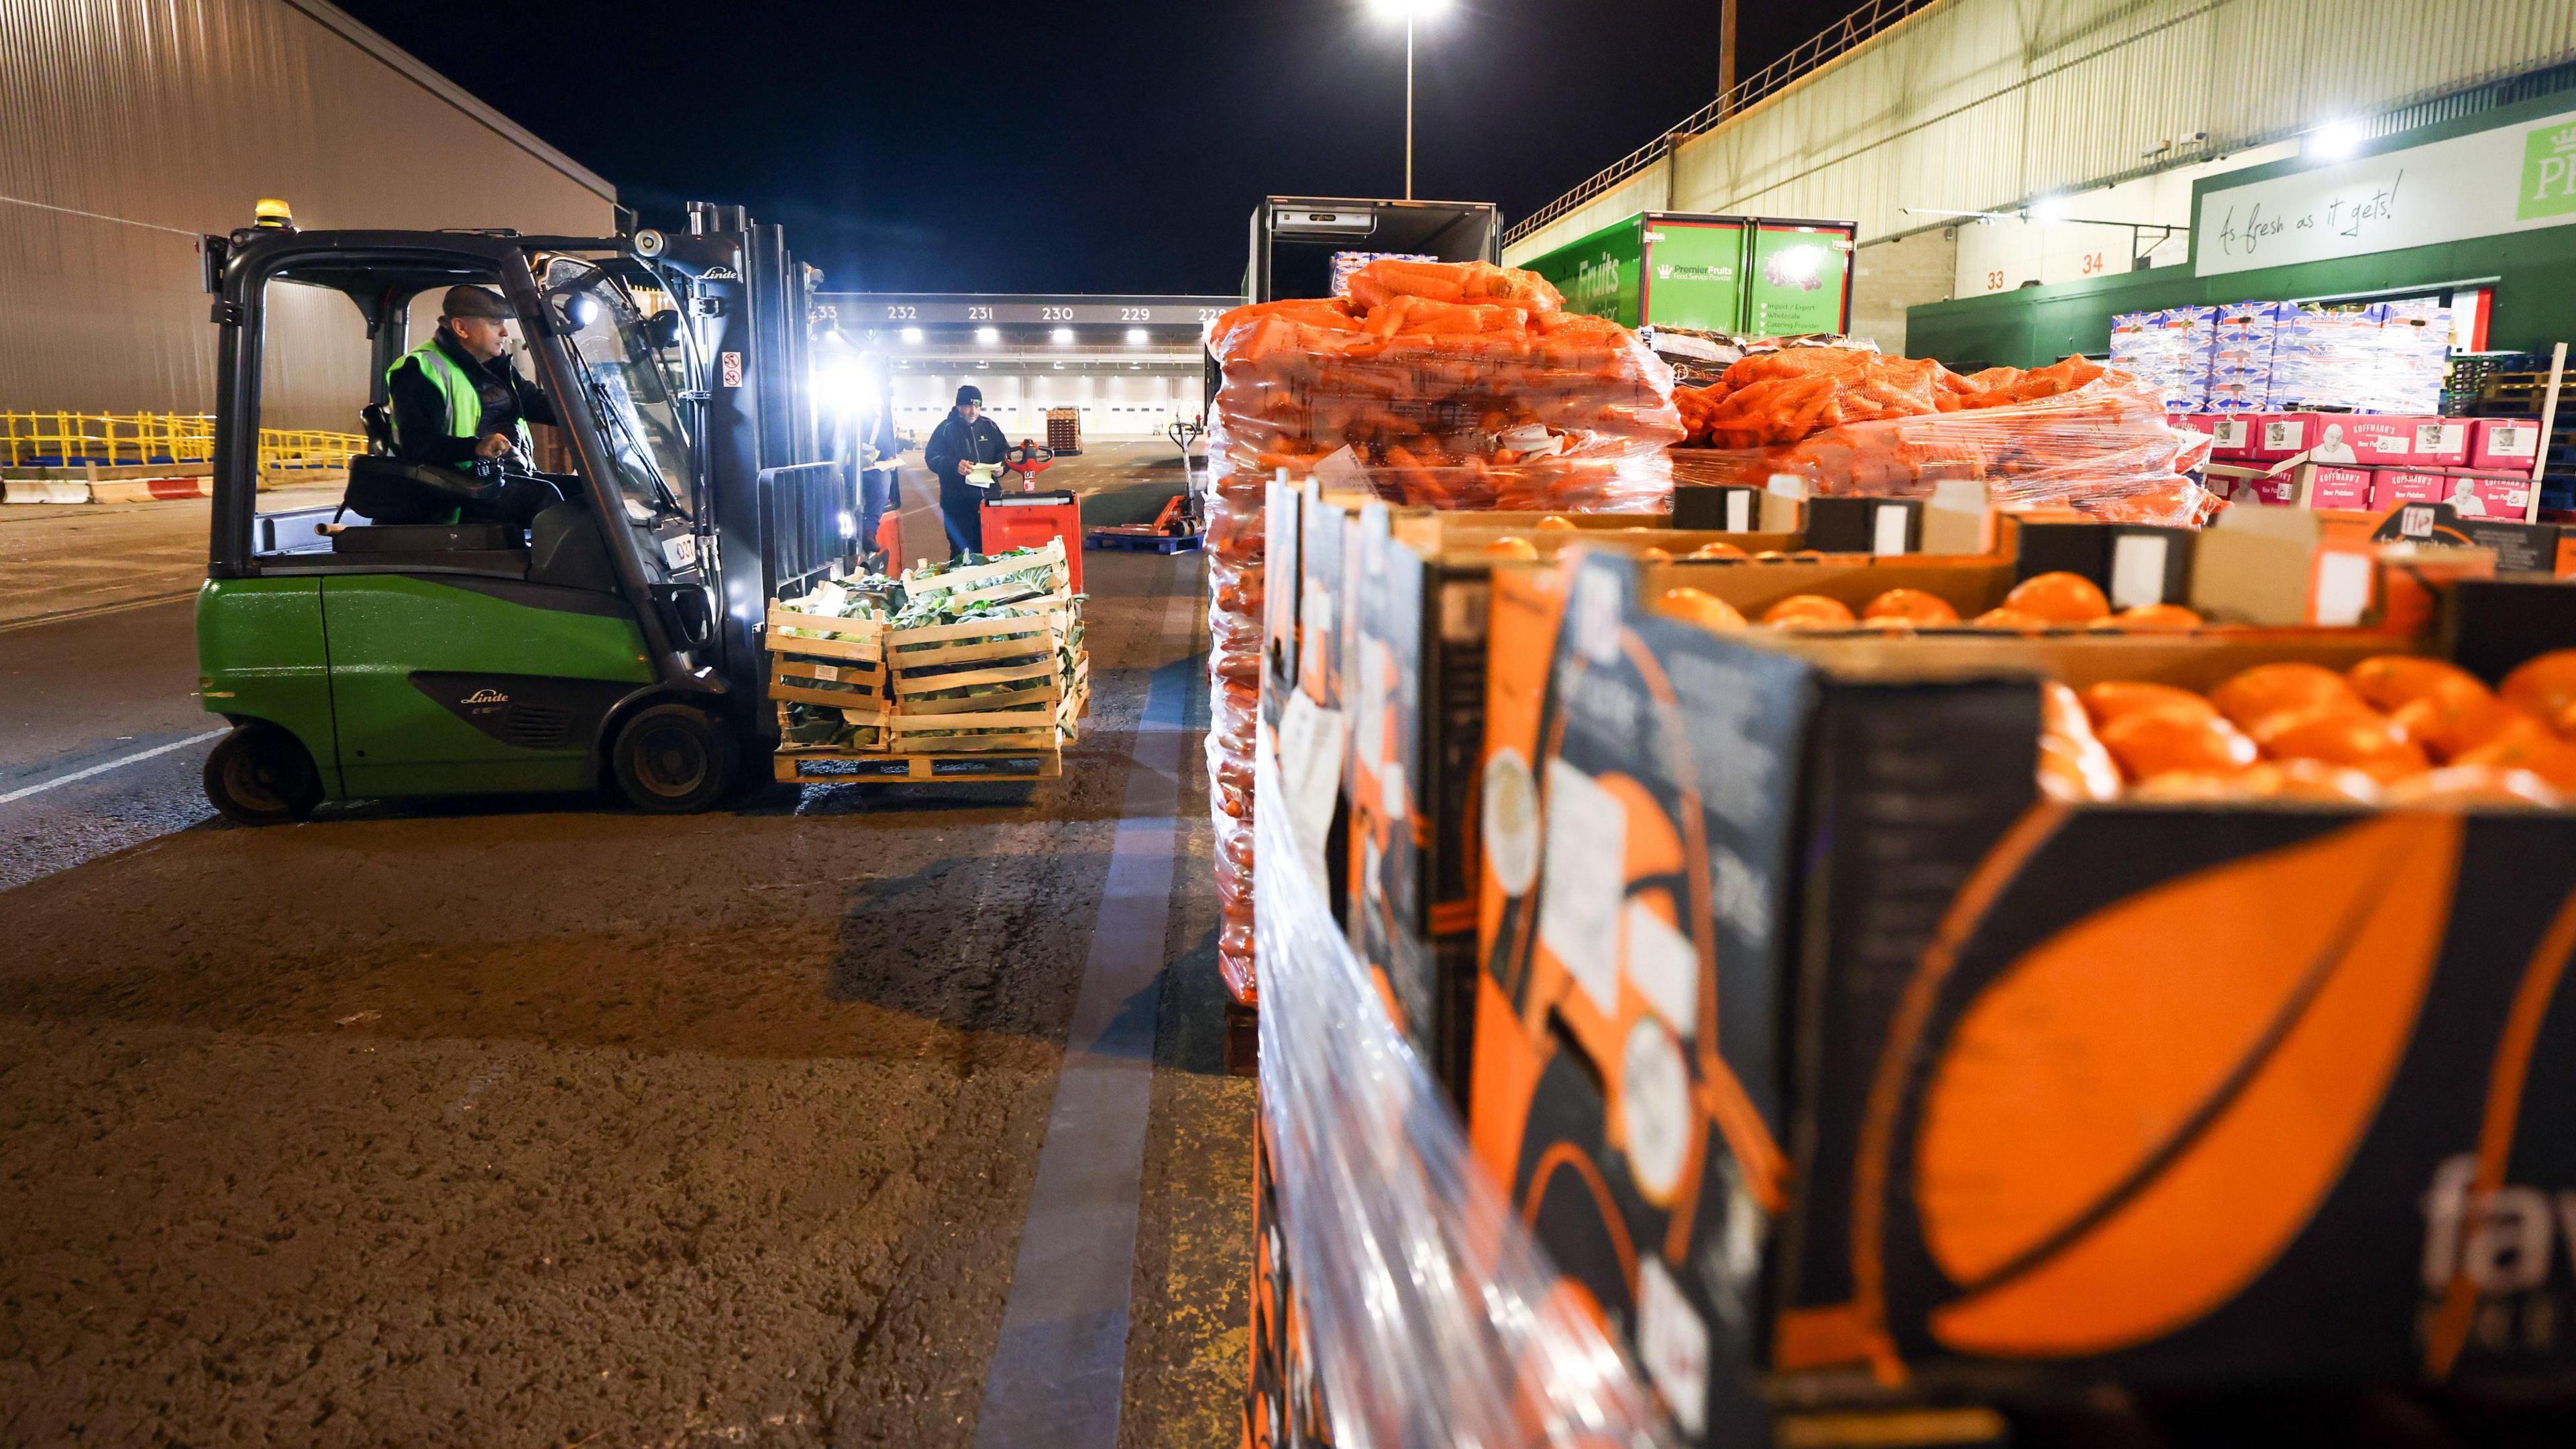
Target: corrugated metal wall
{"points": [[128, 127], [1984, 104]]}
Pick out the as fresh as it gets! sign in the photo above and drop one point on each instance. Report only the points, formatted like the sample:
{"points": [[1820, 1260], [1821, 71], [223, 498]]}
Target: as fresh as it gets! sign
{"points": [[2512, 178]]}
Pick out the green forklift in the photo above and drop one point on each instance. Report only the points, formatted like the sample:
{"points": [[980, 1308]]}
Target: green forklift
{"points": [[613, 643]]}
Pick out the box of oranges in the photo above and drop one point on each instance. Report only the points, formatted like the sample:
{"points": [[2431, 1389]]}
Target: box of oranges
{"points": [[1994, 1015]]}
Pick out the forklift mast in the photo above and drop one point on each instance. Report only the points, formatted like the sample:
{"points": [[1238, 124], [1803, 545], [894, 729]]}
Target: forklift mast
{"points": [[778, 513]]}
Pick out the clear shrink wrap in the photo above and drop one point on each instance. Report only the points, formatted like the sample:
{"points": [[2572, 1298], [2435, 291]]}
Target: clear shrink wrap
{"points": [[1437, 384], [1430, 1313], [2070, 436]]}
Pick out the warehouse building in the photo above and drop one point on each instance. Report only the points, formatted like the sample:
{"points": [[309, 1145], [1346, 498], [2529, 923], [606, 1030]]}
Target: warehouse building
{"points": [[1128, 366], [2022, 172], [128, 128]]}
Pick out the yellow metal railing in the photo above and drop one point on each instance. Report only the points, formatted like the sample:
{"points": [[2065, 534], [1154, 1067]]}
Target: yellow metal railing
{"points": [[67, 439]]}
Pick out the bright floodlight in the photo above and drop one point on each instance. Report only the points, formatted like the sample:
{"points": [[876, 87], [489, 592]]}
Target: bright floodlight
{"points": [[912, 334], [1408, 9], [1062, 335], [2048, 210], [1135, 336], [988, 335], [2334, 141]]}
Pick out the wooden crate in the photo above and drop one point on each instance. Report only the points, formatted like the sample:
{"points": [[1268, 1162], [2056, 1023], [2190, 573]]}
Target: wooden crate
{"points": [[845, 669], [983, 582]]}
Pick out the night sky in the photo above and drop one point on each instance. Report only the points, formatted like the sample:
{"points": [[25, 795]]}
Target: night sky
{"points": [[1052, 147]]}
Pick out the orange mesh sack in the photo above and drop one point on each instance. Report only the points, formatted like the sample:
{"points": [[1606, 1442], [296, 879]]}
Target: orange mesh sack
{"points": [[2070, 436], [1442, 384]]}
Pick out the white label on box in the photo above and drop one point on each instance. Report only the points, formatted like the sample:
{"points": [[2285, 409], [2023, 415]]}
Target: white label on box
{"points": [[1462, 613], [1318, 614], [2343, 589], [1368, 707], [1310, 764], [2138, 570], [1655, 1109], [1739, 512], [1789, 485], [1887, 529], [2231, 432], [1510, 821], [1664, 967], [1390, 791], [1583, 880], [2281, 436], [1674, 1343], [2512, 440], [2434, 439]]}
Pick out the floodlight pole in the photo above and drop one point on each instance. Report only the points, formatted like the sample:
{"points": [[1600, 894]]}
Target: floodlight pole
{"points": [[1408, 103]]}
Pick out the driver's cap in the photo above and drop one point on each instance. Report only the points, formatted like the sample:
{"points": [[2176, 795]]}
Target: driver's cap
{"points": [[470, 301]]}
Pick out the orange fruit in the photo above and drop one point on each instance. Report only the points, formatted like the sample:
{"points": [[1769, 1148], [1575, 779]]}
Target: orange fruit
{"points": [[1769, 555], [2060, 598], [1808, 611], [1554, 521], [2453, 720], [2152, 619], [2009, 621], [2111, 699], [1510, 547], [2474, 785], [1913, 605], [2339, 733], [2392, 681], [2553, 760], [2266, 780], [2153, 742], [2073, 765], [2265, 690], [1651, 554], [1716, 549], [1702, 608], [1890, 625], [2311, 780], [2546, 686]]}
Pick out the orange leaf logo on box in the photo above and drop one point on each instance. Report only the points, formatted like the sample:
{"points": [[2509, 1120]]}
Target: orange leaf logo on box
{"points": [[2137, 1117]]}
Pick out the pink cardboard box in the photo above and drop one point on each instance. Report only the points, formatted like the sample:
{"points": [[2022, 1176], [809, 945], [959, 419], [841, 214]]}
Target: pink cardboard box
{"points": [[2503, 444], [2441, 443], [2334, 486], [2488, 495], [2193, 422], [2371, 440], [2392, 486]]}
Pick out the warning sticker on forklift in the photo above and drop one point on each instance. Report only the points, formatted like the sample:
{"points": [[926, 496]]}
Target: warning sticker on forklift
{"points": [[733, 369]]}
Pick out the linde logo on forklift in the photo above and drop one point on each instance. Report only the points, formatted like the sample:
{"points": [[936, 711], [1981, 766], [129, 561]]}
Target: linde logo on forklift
{"points": [[486, 696]]}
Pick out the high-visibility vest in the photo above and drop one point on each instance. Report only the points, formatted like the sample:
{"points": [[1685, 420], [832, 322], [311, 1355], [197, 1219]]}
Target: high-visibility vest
{"points": [[464, 400]]}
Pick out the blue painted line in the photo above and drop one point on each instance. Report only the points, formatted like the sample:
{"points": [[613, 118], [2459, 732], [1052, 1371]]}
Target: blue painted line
{"points": [[1059, 1364]]}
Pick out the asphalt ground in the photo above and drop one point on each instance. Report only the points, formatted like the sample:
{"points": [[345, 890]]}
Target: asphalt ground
{"points": [[534, 1121]]}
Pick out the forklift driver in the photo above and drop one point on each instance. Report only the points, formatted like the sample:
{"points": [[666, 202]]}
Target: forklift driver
{"points": [[457, 399]]}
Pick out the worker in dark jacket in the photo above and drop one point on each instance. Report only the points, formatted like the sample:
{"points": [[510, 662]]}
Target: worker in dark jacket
{"points": [[962, 441], [456, 399]]}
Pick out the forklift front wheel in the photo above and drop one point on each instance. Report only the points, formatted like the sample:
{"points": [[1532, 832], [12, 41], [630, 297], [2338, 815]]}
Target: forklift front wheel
{"points": [[261, 775], [671, 759]]}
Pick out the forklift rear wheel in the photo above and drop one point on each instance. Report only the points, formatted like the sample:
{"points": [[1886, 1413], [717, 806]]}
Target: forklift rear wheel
{"points": [[671, 760], [260, 775]]}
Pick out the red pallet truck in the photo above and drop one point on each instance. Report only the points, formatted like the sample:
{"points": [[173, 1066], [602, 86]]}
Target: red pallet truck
{"points": [[1180, 527]]}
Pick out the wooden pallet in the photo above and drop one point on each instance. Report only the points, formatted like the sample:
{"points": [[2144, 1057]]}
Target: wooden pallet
{"points": [[826, 767]]}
